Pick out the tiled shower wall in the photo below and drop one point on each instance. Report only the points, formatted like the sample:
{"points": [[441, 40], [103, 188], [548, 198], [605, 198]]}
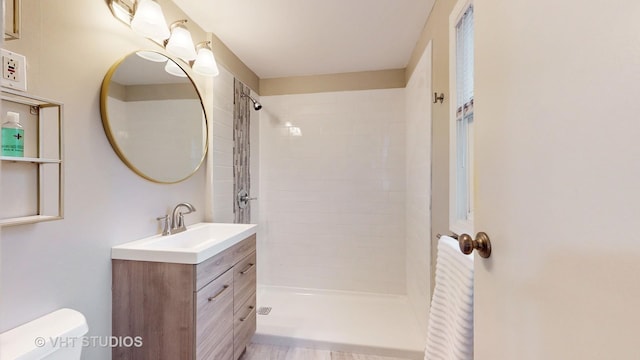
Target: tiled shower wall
{"points": [[220, 158], [332, 185], [418, 212]]}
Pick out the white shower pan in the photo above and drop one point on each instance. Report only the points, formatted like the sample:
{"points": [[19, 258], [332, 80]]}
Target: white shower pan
{"points": [[376, 324]]}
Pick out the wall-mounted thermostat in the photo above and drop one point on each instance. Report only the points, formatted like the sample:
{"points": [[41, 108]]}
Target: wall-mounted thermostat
{"points": [[14, 70]]}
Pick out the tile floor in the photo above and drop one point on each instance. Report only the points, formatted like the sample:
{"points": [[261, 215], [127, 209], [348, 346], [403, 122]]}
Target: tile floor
{"points": [[274, 352]]}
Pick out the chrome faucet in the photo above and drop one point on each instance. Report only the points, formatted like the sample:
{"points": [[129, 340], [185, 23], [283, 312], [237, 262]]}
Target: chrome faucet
{"points": [[177, 218], [175, 223]]}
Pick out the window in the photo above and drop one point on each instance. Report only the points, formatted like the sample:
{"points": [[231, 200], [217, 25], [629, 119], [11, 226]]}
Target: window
{"points": [[461, 117]]}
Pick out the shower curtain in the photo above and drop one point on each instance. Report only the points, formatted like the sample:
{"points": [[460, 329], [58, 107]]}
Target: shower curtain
{"points": [[241, 146]]}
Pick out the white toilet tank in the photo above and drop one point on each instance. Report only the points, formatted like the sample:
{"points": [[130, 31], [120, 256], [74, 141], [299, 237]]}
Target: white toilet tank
{"points": [[55, 336]]}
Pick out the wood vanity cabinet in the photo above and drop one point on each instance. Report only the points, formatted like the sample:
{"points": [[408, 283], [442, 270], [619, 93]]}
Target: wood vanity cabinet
{"points": [[182, 311], [244, 306]]}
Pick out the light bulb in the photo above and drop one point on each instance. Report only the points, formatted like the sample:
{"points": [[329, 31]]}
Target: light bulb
{"points": [[149, 21]]}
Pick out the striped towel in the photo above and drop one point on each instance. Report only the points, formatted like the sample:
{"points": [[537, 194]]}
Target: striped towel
{"points": [[450, 332]]}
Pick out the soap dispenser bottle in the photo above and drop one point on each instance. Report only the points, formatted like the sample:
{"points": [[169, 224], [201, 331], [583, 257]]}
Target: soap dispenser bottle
{"points": [[12, 136]]}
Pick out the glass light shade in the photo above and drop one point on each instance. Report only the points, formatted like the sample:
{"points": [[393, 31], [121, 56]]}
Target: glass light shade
{"points": [[180, 43], [151, 56], [205, 63], [120, 11], [149, 21], [173, 69]]}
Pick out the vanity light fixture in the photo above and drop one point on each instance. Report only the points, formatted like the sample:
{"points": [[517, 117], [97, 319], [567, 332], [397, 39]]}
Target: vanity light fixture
{"points": [[146, 18], [151, 56], [173, 69], [205, 63], [180, 43], [121, 10]]}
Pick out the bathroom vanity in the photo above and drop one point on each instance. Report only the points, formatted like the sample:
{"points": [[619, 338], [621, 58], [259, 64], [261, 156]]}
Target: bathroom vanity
{"points": [[197, 302]]}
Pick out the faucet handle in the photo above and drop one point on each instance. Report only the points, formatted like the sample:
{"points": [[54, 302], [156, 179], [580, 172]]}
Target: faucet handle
{"points": [[166, 228]]}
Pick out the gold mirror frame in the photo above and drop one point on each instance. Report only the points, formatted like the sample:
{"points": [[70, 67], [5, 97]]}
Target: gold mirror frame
{"points": [[104, 95]]}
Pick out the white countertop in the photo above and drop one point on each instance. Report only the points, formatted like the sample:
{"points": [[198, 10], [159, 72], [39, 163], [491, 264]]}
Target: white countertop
{"points": [[193, 246]]}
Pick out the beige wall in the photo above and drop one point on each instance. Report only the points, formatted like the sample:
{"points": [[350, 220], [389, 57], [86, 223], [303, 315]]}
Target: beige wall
{"points": [[151, 92], [225, 57], [365, 80]]}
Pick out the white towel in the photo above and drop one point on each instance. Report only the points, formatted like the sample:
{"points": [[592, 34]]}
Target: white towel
{"points": [[450, 331]]}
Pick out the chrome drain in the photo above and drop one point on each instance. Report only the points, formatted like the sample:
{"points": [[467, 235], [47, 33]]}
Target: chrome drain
{"points": [[264, 310]]}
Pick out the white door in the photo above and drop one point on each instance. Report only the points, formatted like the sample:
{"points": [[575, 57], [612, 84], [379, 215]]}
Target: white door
{"points": [[558, 179]]}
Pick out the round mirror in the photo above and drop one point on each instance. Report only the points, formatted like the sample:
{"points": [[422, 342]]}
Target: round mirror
{"points": [[153, 116]]}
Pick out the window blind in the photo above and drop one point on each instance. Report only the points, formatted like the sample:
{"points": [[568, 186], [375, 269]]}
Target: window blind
{"points": [[464, 114], [464, 60]]}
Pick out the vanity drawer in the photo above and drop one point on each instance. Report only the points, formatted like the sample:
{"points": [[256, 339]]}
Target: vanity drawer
{"points": [[244, 326], [244, 280], [244, 248], [216, 265], [213, 267], [214, 319]]}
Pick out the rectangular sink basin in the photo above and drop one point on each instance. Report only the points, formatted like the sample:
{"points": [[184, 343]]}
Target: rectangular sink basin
{"points": [[200, 242]]}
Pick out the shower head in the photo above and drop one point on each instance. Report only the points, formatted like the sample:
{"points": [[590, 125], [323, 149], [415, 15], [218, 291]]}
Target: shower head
{"points": [[256, 105]]}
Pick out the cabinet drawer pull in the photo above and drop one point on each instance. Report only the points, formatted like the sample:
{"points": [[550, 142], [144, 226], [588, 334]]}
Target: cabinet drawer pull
{"points": [[211, 298], [249, 314], [246, 270]]}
